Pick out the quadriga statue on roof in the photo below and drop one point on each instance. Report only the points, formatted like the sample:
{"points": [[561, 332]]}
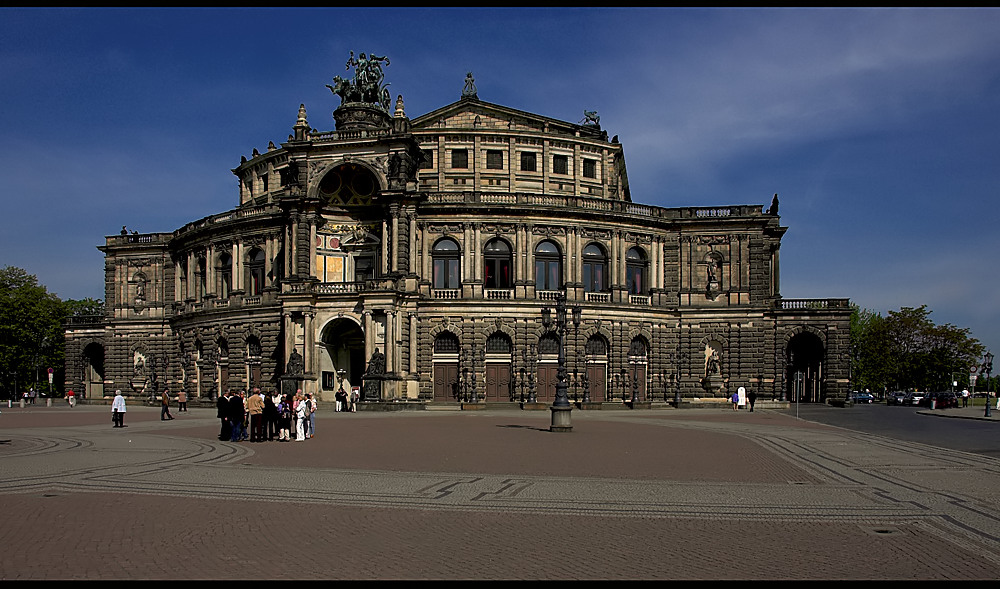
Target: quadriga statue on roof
{"points": [[367, 86]]}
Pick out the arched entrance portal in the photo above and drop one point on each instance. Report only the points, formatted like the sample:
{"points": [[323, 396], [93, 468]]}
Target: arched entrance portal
{"points": [[804, 377], [342, 356], [93, 371]]}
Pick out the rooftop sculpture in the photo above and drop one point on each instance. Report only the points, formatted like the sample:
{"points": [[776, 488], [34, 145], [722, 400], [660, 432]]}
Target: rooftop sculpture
{"points": [[367, 86]]}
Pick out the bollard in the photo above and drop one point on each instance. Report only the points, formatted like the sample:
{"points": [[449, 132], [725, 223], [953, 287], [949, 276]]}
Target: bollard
{"points": [[22, 403], [48, 401]]}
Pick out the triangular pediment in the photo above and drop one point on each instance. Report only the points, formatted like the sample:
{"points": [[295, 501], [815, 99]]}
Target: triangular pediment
{"points": [[474, 114]]}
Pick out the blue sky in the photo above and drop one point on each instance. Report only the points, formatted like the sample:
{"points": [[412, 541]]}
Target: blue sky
{"points": [[878, 128]]}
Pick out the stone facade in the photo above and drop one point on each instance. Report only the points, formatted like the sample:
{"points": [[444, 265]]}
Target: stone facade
{"points": [[438, 241]]}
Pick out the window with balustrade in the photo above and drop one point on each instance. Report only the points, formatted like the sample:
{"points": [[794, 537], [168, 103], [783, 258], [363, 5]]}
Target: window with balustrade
{"points": [[497, 264], [595, 268], [446, 264], [636, 271], [256, 273], [548, 266]]}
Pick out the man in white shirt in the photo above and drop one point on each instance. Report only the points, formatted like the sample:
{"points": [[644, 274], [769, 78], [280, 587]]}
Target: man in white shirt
{"points": [[118, 410]]}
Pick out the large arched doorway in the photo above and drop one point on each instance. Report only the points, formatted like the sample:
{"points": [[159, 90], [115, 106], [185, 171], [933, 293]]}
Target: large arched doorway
{"points": [[499, 353], [445, 367], [804, 375], [597, 368], [93, 371], [342, 356]]}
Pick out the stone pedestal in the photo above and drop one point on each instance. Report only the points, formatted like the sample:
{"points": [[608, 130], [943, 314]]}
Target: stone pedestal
{"points": [[561, 419], [712, 384]]}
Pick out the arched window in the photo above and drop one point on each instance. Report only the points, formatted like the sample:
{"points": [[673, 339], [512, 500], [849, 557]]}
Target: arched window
{"points": [[256, 263], [635, 271], [446, 343], [637, 349], [595, 269], [447, 270], [200, 278], [596, 346], [498, 343], [497, 264], [548, 266], [225, 275], [548, 344]]}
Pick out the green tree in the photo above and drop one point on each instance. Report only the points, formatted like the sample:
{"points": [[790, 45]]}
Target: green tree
{"points": [[84, 307], [31, 332], [906, 350]]}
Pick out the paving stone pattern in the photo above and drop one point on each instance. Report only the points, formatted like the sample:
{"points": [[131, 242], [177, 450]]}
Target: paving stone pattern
{"points": [[666, 494]]}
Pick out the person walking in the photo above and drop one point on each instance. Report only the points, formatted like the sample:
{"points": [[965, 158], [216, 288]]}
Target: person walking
{"points": [[118, 410], [312, 415], [736, 401], [255, 405], [302, 416], [237, 412], [222, 408], [71, 398], [752, 398], [284, 420], [165, 406], [271, 416], [182, 401]]}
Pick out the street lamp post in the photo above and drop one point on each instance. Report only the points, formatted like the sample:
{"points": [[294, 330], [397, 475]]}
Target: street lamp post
{"points": [[988, 368], [561, 407]]}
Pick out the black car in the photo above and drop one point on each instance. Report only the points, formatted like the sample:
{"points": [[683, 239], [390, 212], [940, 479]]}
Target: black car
{"points": [[895, 398]]}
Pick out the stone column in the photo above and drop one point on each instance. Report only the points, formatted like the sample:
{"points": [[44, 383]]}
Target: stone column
{"points": [[391, 352]]}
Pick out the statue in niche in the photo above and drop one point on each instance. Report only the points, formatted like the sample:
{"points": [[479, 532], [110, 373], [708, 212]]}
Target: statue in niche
{"points": [[376, 365], [713, 269], [296, 365], [713, 366]]}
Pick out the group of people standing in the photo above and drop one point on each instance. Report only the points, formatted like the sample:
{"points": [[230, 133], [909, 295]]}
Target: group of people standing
{"points": [[263, 417]]}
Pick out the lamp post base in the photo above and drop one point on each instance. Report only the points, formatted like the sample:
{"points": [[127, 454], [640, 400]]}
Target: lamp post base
{"points": [[561, 419]]}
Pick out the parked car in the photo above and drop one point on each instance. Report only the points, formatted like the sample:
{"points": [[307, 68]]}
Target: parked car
{"points": [[895, 398], [914, 398], [862, 397], [940, 400]]}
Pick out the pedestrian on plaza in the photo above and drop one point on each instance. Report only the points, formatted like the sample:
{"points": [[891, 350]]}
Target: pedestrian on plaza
{"points": [[752, 398], [284, 420], [237, 413], [340, 400], [271, 416], [293, 402], [32, 395], [165, 403], [118, 410], [255, 406], [302, 418], [736, 401], [312, 415], [354, 400], [222, 407], [182, 401], [71, 398]]}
